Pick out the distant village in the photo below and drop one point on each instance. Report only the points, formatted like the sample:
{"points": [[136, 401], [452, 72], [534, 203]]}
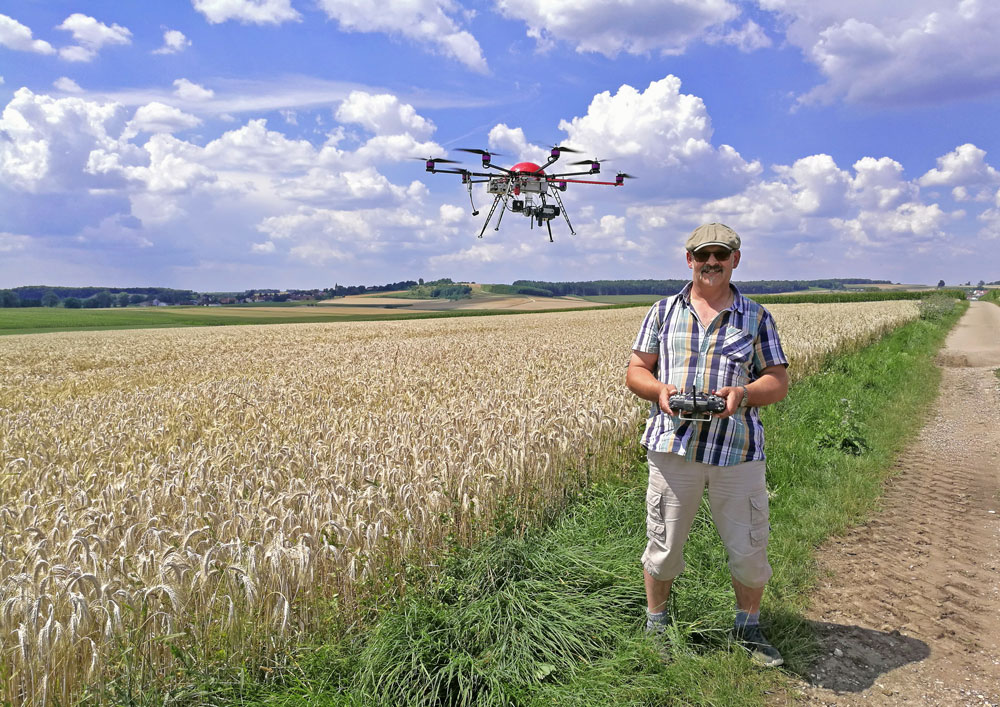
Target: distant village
{"points": [[103, 298]]}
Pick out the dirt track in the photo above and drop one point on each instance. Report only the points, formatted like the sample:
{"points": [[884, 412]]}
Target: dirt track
{"points": [[908, 609]]}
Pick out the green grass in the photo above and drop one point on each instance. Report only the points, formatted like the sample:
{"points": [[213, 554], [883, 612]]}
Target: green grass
{"points": [[554, 615]]}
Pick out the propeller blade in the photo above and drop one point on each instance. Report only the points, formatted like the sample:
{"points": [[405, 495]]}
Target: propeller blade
{"points": [[434, 159], [476, 151], [626, 176], [564, 149], [586, 162]]}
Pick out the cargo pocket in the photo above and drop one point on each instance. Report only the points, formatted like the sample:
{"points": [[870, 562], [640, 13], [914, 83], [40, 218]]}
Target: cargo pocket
{"points": [[760, 528], [655, 529]]}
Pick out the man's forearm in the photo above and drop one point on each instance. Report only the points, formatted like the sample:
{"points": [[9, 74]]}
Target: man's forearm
{"points": [[643, 383], [769, 388]]}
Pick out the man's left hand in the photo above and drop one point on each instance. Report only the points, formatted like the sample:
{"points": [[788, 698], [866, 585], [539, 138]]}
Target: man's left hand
{"points": [[733, 396]]}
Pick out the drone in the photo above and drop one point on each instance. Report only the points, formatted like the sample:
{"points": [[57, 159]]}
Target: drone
{"points": [[525, 188]]}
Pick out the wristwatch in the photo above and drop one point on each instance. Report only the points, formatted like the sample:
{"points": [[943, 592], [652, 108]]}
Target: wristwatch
{"points": [[743, 402]]}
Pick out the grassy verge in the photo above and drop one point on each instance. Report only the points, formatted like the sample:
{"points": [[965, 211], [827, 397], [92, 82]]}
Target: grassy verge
{"points": [[555, 616]]}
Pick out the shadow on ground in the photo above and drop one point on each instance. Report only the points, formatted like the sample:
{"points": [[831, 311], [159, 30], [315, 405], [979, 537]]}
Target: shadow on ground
{"points": [[851, 658]]}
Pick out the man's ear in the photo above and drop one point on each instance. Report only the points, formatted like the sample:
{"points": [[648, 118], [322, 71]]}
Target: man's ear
{"points": [[690, 260], [736, 259]]}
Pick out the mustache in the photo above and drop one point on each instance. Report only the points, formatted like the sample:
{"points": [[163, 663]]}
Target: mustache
{"points": [[711, 268]]}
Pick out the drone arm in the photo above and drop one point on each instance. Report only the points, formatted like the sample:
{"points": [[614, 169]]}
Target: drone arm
{"points": [[494, 166], [556, 177], [447, 171], [586, 181], [551, 161]]}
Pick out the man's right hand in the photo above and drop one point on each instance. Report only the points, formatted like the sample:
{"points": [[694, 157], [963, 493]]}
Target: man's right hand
{"points": [[666, 391]]}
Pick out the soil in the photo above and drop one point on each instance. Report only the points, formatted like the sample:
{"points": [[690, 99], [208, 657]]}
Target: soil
{"points": [[908, 607]]}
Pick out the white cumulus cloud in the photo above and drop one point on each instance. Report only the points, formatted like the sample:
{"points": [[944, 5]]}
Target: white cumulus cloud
{"points": [[174, 41], [965, 166], [428, 22], [67, 85], [158, 117], [665, 26], [750, 37], [190, 91], [49, 140], [18, 37], [260, 12], [662, 135], [91, 36], [899, 52], [383, 114]]}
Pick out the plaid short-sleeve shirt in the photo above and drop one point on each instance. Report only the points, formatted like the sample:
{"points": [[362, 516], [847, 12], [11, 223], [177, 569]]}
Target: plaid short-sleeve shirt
{"points": [[732, 350]]}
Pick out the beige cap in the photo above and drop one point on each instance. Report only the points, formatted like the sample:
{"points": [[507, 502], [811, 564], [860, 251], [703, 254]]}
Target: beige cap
{"points": [[713, 234]]}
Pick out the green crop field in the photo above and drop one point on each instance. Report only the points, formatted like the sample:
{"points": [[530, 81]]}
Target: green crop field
{"points": [[38, 320]]}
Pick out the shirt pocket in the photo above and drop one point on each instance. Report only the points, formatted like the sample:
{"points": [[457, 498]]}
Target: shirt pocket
{"points": [[737, 345]]}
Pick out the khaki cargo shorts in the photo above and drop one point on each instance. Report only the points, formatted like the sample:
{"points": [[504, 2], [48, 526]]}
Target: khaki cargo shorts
{"points": [[737, 496]]}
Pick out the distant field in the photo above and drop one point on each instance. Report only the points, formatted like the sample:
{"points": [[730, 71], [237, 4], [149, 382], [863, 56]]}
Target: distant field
{"points": [[479, 300], [383, 305], [37, 320], [624, 299], [890, 287]]}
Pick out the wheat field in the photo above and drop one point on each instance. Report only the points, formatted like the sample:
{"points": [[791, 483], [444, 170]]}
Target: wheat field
{"points": [[213, 491]]}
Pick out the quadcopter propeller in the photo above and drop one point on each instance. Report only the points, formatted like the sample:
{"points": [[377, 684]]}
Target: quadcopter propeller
{"points": [[434, 159], [486, 156], [593, 161], [564, 149]]}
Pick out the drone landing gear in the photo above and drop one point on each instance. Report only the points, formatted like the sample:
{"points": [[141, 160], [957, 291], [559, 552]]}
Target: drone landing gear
{"points": [[490, 216], [562, 208]]}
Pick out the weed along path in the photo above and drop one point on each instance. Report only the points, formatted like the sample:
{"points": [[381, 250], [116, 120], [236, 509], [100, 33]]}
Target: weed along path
{"points": [[908, 607]]}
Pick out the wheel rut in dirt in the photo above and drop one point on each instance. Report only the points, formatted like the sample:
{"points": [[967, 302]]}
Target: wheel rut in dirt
{"points": [[908, 606]]}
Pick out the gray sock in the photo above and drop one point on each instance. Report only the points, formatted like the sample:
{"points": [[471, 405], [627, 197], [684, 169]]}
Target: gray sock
{"points": [[656, 621], [745, 618]]}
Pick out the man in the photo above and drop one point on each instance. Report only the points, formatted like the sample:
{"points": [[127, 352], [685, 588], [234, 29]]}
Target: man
{"points": [[711, 337]]}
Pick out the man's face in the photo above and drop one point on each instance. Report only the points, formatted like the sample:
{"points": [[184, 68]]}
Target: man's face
{"points": [[713, 265]]}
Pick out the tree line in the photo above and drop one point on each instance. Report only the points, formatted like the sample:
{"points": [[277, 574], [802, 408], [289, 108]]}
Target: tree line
{"points": [[592, 288], [90, 297], [105, 297]]}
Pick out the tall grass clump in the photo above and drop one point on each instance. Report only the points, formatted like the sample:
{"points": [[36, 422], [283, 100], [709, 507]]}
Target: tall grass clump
{"points": [[937, 306]]}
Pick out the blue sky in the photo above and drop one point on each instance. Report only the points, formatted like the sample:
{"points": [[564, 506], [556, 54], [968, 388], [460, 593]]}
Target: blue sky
{"points": [[230, 144]]}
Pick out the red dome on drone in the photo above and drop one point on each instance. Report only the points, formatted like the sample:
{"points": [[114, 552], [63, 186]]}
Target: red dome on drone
{"points": [[526, 167]]}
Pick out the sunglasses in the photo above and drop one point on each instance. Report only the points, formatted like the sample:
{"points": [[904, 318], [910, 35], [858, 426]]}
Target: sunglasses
{"points": [[702, 255]]}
